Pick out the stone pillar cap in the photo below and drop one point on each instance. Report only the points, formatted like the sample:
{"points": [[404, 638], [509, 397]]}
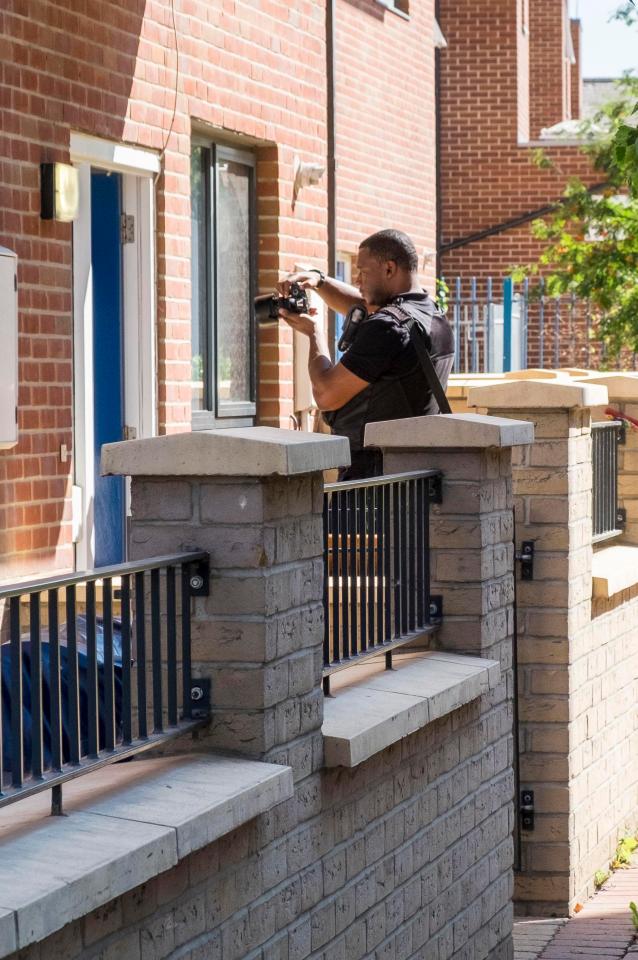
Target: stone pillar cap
{"points": [[247, 451], [538, 395], [536, 373], [455, 430], [620, 386]]}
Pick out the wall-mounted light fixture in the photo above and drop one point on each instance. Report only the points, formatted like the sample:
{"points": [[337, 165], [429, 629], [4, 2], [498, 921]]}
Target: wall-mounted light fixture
{"points": [[306, 174], [59, 192]]}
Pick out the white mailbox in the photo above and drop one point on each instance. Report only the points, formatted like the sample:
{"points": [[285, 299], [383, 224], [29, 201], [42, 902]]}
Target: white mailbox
{"points": [[8, 348]]}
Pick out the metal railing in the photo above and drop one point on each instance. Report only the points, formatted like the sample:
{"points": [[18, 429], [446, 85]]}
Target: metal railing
{"points": [[97, 668], [607, 518], [377, 566], [500, 325]]}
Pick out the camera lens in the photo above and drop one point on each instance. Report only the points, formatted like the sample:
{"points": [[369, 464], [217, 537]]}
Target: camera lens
{"points": [[266, 307]]}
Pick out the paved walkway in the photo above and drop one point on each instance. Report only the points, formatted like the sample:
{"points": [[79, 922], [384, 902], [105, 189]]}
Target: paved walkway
{"points": [[603, 930]]}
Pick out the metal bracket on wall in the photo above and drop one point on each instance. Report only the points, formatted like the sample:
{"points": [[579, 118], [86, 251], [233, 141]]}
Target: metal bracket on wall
{"points": [[526, 557], [435, 489], [200, 697], [526, 810], [436, 608], [199, 578]]}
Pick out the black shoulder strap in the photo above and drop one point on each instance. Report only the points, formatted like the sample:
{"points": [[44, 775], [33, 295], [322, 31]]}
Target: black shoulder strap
{"points": [[416, 336]]}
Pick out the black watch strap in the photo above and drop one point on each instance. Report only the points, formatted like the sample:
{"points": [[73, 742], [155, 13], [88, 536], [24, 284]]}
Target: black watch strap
{"points": [[322, 275]]}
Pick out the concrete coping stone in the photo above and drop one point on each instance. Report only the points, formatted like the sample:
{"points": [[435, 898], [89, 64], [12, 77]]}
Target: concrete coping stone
{"points": [[246, 451], [538, 394], [124, 824], [450, 431], [537, 373], [620, 386], [614, 569], [380, 708]]}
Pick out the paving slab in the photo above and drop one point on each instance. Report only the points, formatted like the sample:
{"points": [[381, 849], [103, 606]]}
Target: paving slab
{"points": [[602, 930]]}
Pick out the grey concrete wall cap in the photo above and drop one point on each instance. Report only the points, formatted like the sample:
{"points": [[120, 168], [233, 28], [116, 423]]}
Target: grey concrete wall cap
{"points": [[249, 451], [537, 395], [620, 386], [455, 430]]}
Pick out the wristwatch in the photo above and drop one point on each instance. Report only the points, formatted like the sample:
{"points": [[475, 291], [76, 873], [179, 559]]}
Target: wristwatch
{"points": [[322, 276]]}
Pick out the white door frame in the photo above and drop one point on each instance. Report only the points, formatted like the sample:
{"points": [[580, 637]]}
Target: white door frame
{"points": [[138, 168]]}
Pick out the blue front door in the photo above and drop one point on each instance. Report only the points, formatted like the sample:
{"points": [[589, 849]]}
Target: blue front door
{"points": [[108, 361]]}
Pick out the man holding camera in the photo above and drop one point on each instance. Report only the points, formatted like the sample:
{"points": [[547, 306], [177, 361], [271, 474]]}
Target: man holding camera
{"points": [[398, 348]]}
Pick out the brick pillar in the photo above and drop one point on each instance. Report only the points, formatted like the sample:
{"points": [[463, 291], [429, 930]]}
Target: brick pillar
{"points": [[253, 500], [471, 531], [553, 503]]}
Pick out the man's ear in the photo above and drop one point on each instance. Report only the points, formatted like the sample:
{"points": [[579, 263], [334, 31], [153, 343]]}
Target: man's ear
{"points": [[391, 269]]}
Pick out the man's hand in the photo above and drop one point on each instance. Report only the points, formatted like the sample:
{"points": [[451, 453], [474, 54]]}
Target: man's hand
{"points": [[301, 322], [307, 280]]}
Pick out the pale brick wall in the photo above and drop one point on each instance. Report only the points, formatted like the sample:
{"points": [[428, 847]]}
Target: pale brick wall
{"points": [[407, 855], [578, 672]]}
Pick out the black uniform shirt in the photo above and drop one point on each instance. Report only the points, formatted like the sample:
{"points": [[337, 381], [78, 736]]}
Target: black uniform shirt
{"points": [[383, 348]]}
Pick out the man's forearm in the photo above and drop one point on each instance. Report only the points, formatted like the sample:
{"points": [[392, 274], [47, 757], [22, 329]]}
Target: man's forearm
{"points": [[318, 359], [338, 296]]}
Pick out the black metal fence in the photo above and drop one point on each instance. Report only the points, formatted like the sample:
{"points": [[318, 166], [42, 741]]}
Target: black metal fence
{"points": [[608, 518], [97, 668], [377, 566]]}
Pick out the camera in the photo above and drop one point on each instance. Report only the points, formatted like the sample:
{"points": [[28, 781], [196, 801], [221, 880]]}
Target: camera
{"points": [[267, 307]]}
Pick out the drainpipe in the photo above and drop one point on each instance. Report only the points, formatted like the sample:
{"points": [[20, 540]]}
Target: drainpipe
{"points": [[438, 125], [331, 159]]}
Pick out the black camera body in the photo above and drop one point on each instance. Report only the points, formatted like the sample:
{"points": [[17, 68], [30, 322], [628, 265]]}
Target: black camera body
{"points": [[267, 307]]}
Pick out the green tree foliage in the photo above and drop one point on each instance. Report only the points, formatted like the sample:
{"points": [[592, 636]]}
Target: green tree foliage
{"points": [[591, 238]]}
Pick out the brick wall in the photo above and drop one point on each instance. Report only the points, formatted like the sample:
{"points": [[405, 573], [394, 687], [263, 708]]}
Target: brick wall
{"points": [[393, 859], [255, 70], [576, 81], [386, 140], [407, 854], [548, 65], [578, 666], [110, 72], [488, 172]]}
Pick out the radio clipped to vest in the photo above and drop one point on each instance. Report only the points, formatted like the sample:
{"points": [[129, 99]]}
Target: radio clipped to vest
{"points": [[354, 318]]}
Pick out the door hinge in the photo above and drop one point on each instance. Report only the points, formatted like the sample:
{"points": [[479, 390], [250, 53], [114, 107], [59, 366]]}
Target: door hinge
{"points": [[127, 228], [130, 433]]}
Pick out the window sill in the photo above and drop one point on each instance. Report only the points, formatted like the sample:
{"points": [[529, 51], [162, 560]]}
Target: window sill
{"points": [[614, 569], [123, 825], [371, 710]]}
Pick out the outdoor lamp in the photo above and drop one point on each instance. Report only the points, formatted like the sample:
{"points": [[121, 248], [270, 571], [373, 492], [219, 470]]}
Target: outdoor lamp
{"points": [[59, 192]]}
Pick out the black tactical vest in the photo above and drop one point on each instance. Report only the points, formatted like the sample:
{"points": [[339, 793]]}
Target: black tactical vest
{"points": [[394, 397]]}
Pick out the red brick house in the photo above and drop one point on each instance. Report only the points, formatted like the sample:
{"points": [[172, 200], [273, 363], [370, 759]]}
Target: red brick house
{"points": [[187, 121], [509, 72]]}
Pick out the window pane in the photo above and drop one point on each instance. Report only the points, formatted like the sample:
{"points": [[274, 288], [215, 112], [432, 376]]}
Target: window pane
{"points": [[234, 307], [199, 307]]}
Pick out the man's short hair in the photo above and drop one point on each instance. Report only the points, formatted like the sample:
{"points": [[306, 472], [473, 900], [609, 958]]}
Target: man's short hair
{"points": [[393, 245]]}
